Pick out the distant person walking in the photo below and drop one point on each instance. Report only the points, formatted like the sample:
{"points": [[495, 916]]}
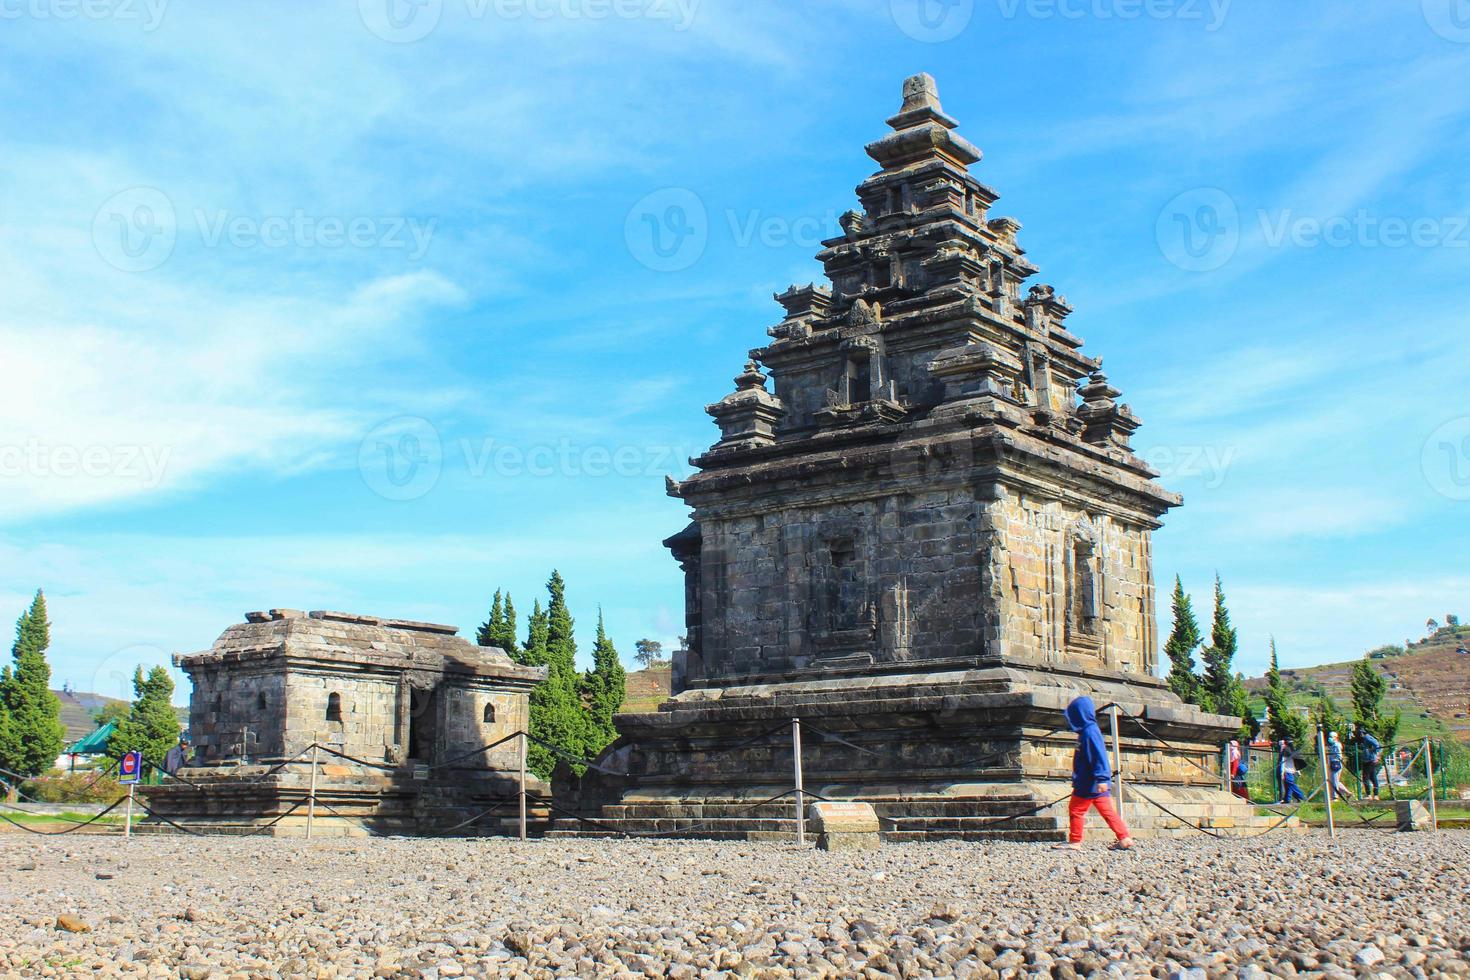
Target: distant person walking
{"points": [[1092, 776], [1239, 769], [1370, 751], [1334, 768], [1290, 791]]}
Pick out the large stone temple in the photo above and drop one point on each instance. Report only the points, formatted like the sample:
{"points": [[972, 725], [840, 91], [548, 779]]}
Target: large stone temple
{"points": [[923, 530], [401, 713]]}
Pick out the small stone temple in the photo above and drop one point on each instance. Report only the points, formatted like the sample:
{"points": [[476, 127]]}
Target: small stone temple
{"points": [[923, 530], [403, 705]]}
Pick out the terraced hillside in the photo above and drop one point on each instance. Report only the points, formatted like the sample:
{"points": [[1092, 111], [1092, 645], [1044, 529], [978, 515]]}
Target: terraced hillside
{"points": [[77, 709], [647, 689], [1429, 682]]}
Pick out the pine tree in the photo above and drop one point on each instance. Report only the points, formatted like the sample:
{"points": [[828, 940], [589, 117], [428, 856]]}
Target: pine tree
{"points": [[1369, 687], [1329, 718], [31, 733], [534, 652], [604, 687], [1285, 723], [557, 713], [1221, 689], [494, 627], [507, 639], [152, 726], [1184, 637]]}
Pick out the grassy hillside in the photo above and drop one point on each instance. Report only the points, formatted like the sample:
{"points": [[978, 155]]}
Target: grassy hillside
{"points": [[1429, 681]]}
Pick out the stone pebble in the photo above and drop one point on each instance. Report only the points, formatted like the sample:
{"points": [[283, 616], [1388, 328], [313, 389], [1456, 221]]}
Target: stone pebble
{"points": [[1371, 904]]}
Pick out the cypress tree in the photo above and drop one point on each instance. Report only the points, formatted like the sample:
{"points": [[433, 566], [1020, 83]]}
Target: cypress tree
{"points": [[1183, 638], [1285, 723], [1222, 692], [152, 726], [31, 735], [557, 713], [534, 651], [494, 627], [507, 639], [605, 687], [1368, 687]]}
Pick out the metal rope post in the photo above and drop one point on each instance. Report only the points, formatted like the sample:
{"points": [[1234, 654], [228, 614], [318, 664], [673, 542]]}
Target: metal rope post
{"points": [[1225, 768], [523, 785], [1117, 759], [311, 803], [800, 801], [1328, 789], [1429, 771]]}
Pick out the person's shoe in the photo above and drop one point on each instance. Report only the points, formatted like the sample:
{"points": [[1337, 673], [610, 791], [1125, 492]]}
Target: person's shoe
{"points": [[1067, 846], [1126, 844]]}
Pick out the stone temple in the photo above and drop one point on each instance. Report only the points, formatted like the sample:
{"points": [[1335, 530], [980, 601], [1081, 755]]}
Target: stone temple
{"points": [[407, 702], [925, 538]]}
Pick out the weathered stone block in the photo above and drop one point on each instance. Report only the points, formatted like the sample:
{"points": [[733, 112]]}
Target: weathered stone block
{"points": [[1413, 815], [844, 826]]}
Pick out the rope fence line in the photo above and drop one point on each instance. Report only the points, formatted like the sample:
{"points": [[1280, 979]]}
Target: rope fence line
{"points": [[69, 830], [798, 791]]}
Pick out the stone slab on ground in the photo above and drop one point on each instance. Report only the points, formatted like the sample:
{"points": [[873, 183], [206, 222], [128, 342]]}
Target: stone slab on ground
{"points": [[221, 907]]}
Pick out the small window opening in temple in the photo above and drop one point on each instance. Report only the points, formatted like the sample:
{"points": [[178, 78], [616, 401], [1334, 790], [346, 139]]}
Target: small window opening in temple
{"points": [[334, 707], [860, 379], [260, 700], [1084, 588], [489, 714], [882, 275]]}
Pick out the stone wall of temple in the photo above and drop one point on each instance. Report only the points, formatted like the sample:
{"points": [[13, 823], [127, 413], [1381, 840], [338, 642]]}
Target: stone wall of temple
{"points": [[1070, 586]]}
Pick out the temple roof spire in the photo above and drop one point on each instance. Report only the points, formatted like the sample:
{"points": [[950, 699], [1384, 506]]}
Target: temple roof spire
{"points": [[922, 131]]}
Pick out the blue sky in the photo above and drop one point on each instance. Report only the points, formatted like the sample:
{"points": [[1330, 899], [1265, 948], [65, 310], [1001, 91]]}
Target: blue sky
{"points": [[358, 306]]}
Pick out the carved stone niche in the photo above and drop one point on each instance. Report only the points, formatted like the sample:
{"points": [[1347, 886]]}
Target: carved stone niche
{"points": [[1084, 595], [843, 619], [976, 370]]}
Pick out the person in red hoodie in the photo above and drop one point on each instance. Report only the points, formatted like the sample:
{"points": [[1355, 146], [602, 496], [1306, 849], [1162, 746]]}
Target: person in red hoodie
{"points": [[1092, 776]]}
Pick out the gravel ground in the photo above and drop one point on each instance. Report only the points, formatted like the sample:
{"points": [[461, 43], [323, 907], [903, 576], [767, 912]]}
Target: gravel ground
{"points": [[1373, 903]]}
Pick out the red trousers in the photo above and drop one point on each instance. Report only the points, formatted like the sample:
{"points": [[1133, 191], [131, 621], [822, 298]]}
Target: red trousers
{"points": [[1078, 812]]}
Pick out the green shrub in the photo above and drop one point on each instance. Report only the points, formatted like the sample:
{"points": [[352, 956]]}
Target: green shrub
{"points": [[74, 787]]}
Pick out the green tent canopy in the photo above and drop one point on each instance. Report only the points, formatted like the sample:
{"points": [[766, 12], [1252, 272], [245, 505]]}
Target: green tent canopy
{"points": [[94, 743]]}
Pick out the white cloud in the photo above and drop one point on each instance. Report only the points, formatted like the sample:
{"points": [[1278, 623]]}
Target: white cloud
{"points": [[98, 414], [1335, 622]]}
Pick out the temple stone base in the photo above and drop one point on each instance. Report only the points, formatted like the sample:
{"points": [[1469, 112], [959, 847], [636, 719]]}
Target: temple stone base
{"points": [[943, 756], [349, 804]]}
